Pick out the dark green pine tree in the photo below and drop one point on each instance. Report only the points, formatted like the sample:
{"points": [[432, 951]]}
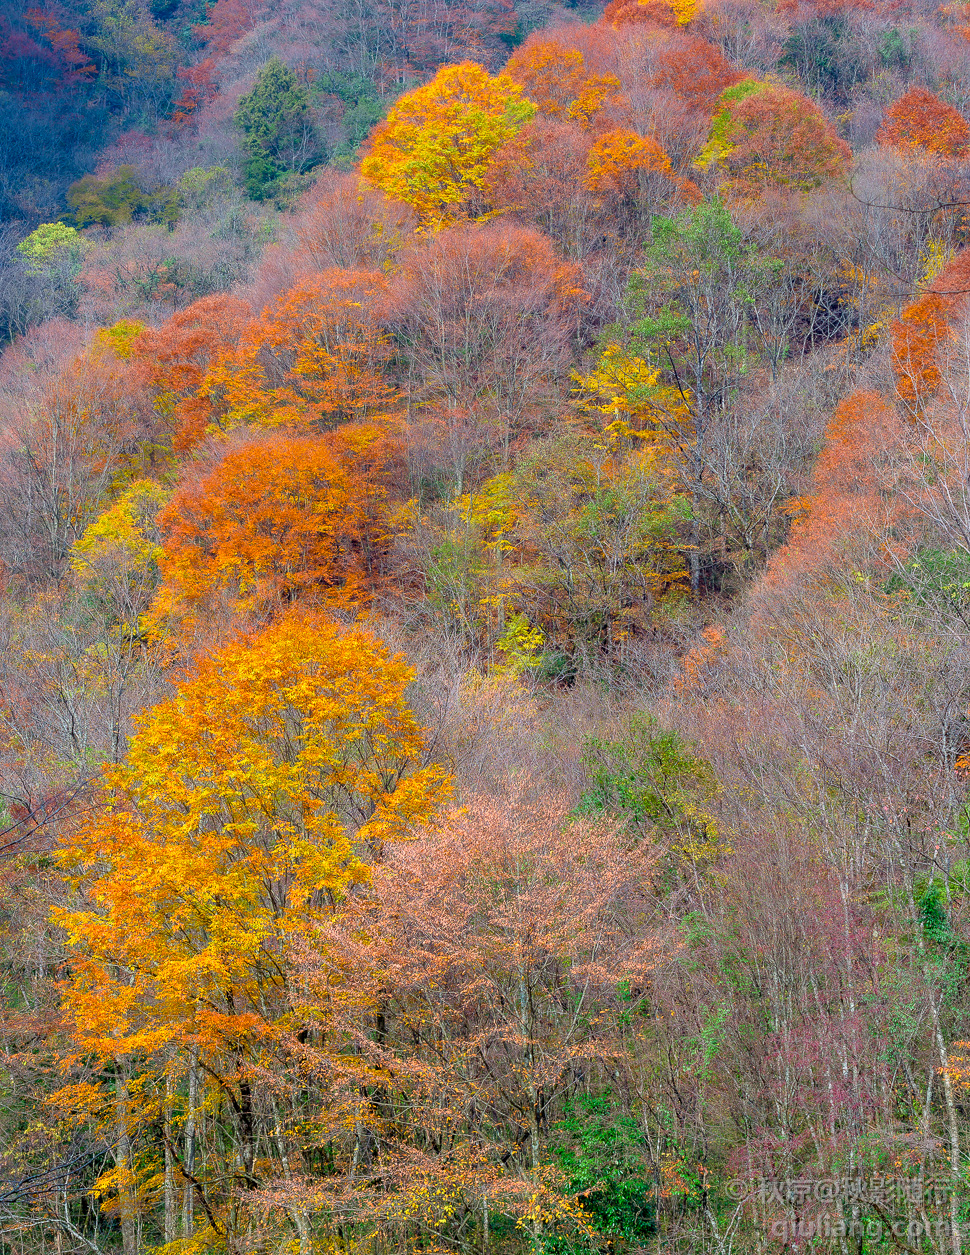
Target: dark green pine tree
{"points": [[279, 137]]}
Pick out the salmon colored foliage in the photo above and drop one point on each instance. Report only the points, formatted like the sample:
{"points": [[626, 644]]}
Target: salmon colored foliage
{"points": [[541, 173], [228, 20], [700, 659], [495, 952], [486, 311], [847, 503], [347, 225], [694, 71]]}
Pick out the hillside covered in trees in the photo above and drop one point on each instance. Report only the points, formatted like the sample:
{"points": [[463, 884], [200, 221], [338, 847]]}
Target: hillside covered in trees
{"points": [[484, 627]]}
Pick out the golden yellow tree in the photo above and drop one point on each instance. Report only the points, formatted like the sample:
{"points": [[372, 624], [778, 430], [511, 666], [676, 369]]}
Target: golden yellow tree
{"points": [[248, 805], [433, 149]]}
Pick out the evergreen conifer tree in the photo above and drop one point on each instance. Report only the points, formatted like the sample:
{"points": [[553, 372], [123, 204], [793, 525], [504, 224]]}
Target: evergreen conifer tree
{"points": [[279, 136]]}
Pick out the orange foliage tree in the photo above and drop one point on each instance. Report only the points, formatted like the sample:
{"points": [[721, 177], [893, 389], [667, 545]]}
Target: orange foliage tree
{"points": [[917, 336], [672, 13], [176, 357], [920, 119], [626, 165], [555, 79], [272, 517], [316, 358], [921, 332], [847, 506], [551, 75]]}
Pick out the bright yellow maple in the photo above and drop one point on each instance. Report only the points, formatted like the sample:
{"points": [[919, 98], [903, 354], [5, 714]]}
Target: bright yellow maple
{"points": [[627, 388], [434, 146], [123, 540], [245, 808]]}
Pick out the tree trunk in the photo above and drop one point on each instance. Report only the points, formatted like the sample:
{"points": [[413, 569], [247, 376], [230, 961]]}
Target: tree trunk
{"points": [[126, 1195], [953, 1128], [188, 1191], [171, 1202]]}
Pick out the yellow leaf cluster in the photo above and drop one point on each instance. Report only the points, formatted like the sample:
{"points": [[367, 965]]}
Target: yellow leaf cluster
{"points": [[244, 810], [620, 154], [435, 144], [122, 536], [628, 388]]}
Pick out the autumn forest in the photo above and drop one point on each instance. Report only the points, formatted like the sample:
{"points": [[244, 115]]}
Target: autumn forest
{"points": [[484, 627]]}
